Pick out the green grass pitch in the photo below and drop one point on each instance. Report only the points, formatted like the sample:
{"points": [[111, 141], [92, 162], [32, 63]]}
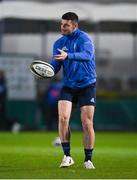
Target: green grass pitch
{"points": [[32, 156]]}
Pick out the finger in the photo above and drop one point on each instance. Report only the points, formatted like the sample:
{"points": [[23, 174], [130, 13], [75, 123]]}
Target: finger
{"points": [[58, 58], [58, 55], [60, 50]]}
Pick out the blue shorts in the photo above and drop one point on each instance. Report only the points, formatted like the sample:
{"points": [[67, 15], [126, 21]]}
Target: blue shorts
{"points": [[83, 96]]}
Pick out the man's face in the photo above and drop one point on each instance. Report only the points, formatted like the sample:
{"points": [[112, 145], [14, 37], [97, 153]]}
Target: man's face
{"points": [[67, 27]]}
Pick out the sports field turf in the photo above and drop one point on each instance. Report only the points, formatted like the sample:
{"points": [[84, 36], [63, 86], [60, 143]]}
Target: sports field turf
{"points": [[32, 156]]}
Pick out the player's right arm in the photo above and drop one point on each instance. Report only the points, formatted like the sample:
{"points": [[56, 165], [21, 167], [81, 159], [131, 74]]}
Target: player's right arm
{"points": [[54, 63]]}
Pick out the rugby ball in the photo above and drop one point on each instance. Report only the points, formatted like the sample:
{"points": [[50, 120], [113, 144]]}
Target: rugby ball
{"points": [[42, 69]]}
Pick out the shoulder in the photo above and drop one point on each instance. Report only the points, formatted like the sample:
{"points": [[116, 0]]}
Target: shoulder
{"points": [[59, 41], [84, 36]]}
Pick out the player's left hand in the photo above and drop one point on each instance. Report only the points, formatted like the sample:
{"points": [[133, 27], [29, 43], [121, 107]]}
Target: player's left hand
{"points": [[62, 56]]}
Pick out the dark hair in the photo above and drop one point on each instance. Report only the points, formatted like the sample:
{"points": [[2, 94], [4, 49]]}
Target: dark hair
{"points": [[70, 16]]}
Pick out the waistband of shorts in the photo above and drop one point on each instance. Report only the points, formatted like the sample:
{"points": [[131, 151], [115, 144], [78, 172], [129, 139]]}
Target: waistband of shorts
{"points": [[81, 88]]}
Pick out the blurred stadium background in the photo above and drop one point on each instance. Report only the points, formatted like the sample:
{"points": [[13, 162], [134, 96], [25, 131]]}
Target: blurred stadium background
{"points": [[28, 30]]}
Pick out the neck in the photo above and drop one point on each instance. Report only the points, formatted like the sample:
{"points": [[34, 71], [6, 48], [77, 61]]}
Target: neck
{"points": [[73, 33]]}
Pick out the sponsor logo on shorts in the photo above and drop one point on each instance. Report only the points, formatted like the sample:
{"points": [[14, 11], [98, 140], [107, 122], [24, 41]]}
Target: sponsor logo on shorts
{"points": [[92, 100]]}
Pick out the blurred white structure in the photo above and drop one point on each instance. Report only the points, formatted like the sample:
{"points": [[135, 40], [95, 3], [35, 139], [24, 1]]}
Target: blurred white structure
{"points": [[118, 45], [53, 11]]}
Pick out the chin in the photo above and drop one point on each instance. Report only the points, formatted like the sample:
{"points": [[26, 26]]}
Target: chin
{"points": [[65, 33]]}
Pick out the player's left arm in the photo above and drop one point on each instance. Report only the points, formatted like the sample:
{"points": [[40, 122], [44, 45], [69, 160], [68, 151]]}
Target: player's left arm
{"points": [[86, 50]]}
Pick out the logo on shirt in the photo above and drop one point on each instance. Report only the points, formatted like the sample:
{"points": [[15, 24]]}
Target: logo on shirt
{"points": [[65, 48]]}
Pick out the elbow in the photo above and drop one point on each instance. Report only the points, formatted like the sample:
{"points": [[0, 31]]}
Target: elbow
{"points": [[87, 56]]}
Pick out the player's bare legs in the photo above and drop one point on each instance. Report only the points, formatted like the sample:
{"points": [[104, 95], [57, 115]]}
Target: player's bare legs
{"points": [[87, 114], [64, 111]]}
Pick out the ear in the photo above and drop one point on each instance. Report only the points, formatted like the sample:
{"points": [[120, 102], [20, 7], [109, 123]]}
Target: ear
{"points": [[75, 25]]}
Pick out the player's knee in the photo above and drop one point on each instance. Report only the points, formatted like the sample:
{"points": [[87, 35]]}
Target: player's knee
{"points": [[63, 119], [87, 124]]}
